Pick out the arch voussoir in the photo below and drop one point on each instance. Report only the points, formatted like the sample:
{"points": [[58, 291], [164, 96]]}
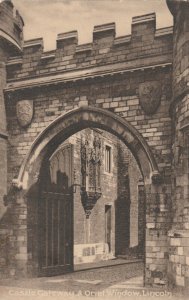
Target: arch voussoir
{"points": [[76, 120]]}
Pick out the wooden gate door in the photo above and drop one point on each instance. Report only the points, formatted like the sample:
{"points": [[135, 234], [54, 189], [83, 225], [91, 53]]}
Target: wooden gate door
{"points": [[56, 215]]}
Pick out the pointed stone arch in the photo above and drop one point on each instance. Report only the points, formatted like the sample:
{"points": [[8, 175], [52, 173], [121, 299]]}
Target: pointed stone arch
{"points": [[26, 187], [75, 120]]}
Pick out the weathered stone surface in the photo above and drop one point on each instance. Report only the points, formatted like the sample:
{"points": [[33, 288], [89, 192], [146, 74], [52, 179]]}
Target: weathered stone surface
{"points": [[99, 85]]}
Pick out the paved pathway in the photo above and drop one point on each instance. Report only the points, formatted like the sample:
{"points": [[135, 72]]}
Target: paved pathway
{"points": [[121, 281]]}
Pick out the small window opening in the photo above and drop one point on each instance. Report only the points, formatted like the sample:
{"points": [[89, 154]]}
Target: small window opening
{"points": [[108, 162]]}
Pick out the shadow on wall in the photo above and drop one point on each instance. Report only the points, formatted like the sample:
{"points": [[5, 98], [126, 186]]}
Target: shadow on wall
{"points": [[13, 235], [128, 225], [122, 216]]}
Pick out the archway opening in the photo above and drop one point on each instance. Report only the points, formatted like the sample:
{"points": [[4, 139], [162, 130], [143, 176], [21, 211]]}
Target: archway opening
{"points": [[50, 141], [91, 205]]}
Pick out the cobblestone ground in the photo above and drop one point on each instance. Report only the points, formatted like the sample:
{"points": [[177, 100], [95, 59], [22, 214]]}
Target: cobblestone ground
{"points": [[87, 283], [115, 282], [95, 279]]}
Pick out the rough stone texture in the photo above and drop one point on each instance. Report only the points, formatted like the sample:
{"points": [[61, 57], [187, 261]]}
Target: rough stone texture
{"points": [[3, 135], [11, 24], [119, 190], [109, 195], [178, 236], [156, 129], [104, 76], [119, 94], [10, 42], [145, 43]]}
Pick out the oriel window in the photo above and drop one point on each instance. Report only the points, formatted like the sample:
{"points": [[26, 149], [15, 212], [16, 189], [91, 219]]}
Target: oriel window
{"points": [[108, 159]]}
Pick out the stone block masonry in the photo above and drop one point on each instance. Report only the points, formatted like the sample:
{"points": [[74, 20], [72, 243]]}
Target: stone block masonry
{"points": [[142, 79], [178, 236], [11, 39], [121, 66], [121, 97], [145, 43]]}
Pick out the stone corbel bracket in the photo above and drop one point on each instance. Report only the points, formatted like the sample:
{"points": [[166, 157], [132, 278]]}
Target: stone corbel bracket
{"points": [[12, 193], [156, 178], [16, 183]]}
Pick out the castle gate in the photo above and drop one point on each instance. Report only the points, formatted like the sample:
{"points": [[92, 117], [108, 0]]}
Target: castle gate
{"points": [[120, 84], [53, 212]]}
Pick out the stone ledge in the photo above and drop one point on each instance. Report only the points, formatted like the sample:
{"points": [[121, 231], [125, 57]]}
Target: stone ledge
{"points": [[10, 40], [144, 18], [3, 135], [67, 35], [104, 27], [164, 31], [178, 234], [87, 253], [47, 56], [75, 75], [122, 40], [14, 61], [33, 43], [84, 48]]}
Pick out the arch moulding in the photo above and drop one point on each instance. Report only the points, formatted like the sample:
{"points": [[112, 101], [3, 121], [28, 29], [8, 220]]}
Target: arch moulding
{"points": [[75, 120]]}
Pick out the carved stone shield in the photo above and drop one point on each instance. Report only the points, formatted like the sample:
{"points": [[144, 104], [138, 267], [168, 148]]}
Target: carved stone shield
{"points": [[150, 96], [24, 112]]}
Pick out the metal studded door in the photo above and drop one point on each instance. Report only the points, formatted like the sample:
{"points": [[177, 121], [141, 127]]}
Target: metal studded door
{"points": [[56, 215]]}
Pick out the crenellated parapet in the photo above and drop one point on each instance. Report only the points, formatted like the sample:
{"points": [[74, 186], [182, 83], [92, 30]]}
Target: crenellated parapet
{"points": [[146, 45], [119, 84], [11, 27]]}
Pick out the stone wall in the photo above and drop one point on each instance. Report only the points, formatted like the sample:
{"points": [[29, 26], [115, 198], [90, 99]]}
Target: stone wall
{"points": [[10, 44], [84, 232], [128, 208], [145, 45], [131, 76], [119, 190], [120, 95], [178, 271], [11, 27]]}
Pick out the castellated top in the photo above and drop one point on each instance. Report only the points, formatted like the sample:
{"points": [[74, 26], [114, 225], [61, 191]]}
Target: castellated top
{"points": [[11, 26], [145, 46]]}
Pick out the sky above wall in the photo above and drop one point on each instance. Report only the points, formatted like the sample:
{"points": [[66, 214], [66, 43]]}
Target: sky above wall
{"points": [[47, 18]]}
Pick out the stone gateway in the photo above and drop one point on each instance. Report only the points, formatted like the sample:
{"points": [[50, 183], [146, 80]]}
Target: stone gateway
{"points": [[94, 138]]}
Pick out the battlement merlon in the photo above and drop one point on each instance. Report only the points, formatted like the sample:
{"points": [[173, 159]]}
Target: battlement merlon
{"points": [[11, 27], [144, 19], [67, 40], [104, 35]]}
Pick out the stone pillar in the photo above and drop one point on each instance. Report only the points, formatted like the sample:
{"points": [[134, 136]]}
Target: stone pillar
{"points": [[157, 226], [11, 37], [178, 269], [3, 137], [141, 217]]}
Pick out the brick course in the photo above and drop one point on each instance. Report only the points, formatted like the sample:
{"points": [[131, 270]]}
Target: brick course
{"points": [[105, 74], [119, 94]]}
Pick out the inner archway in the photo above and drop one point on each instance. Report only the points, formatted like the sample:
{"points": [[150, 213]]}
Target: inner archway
{"points": [[64, 127], [91, 205], [76, 120]]}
